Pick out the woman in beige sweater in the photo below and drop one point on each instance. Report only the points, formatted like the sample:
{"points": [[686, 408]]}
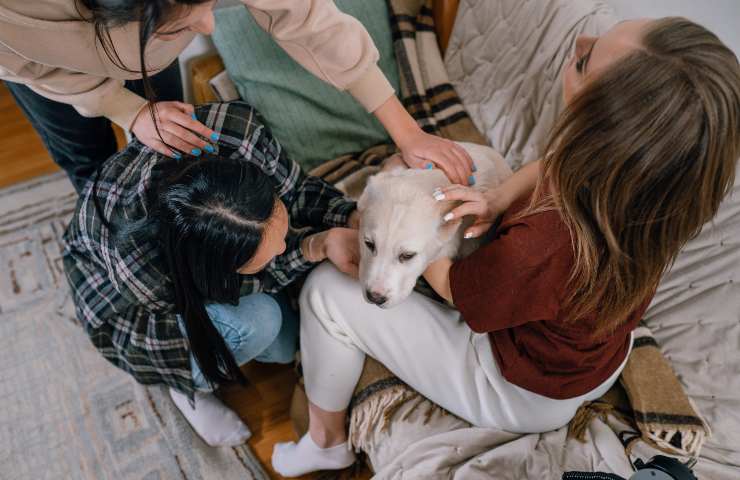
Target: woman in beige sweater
{"points": [[75, 65]]}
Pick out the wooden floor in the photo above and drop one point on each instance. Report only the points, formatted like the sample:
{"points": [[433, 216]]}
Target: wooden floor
{"points": [[21, 152], [264, 404]]}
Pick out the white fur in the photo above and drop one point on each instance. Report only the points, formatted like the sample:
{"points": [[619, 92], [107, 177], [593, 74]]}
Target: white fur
{"points": [[399, 215]]}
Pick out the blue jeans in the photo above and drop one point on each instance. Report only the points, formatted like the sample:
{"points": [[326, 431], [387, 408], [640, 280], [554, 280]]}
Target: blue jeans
{"points": [[261, 327]]}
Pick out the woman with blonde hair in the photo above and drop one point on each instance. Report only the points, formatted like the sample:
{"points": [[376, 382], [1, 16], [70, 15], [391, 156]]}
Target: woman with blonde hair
{"points": [[637, 163]]}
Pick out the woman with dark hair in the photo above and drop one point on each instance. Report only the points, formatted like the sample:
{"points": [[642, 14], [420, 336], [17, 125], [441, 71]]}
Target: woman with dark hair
{"points": [[637, 164], [178, 267], [70, 62]]}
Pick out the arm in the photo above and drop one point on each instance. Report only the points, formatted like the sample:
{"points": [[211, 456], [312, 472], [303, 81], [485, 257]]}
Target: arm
{"points": [[90, 95], [336, 48], [437, 275], [94, 96], [333, 46], [303, 251], [487, 205]]}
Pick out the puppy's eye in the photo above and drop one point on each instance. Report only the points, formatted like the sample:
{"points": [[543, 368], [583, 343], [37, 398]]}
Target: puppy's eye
{"points": [[405, 257], [370, 245]]}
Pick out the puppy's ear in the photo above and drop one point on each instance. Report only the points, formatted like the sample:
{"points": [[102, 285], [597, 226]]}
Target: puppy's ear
{"points": [[367, 194]]}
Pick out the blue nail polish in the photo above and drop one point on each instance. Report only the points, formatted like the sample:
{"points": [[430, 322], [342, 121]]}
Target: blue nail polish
{"points": [[429, 166], [209, 148], [471, 180], [475, 169], [176, 156], [194, 117], [196, 152], [215, 136]]}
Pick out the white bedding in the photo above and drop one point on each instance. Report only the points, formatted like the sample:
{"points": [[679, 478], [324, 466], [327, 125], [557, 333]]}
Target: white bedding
{"points": [[504, 60]]}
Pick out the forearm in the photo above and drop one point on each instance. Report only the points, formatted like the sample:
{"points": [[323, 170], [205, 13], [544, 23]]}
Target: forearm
{"points": [[437, 275], [521, 183], [313, 247], [315, 203], [397, 121]]}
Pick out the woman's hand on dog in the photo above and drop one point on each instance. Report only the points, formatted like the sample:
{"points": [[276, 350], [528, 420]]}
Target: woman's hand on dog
{"points": [[485, 205], [340, 245], [422, 150], [343, 250]]}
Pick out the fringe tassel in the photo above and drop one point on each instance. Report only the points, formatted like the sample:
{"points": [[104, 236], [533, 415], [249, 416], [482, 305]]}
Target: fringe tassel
{"points": [[691, 439], [376, 410], [583, 417]]}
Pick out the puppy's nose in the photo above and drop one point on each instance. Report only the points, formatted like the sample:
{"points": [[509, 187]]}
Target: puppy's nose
{"points": [[375, 298]]}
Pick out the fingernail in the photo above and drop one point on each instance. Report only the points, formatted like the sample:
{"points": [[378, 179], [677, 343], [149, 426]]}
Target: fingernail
{"points": [[196, 152], [468, 235], [438, 195], [209, 148], [193, 116], [429, 166], [448, 217], [215, 136], [471, 180], [475, 169], [176, 156]]}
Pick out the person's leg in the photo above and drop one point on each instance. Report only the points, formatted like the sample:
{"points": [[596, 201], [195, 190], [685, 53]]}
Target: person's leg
{"points": [[259, 327], [283, 347], [79, 145], [421, 341]]}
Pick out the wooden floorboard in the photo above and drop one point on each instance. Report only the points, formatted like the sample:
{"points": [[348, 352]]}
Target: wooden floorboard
{"points": [[265, 403]]}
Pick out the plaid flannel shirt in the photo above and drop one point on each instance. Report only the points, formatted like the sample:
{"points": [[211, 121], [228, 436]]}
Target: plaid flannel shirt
{"points": [[120, 285]]}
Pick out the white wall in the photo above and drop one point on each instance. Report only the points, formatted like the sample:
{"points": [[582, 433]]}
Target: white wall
{"points": [[720, 16]]}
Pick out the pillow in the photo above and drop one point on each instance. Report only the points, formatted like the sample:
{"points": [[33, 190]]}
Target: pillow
{"points": [[311, 119]]}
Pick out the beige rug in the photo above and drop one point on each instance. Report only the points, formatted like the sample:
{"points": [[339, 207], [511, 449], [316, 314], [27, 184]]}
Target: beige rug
{"points": [[65, 413]]}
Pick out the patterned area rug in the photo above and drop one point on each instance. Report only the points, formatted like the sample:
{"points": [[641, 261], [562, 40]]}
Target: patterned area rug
{"points": [[65, 413]]}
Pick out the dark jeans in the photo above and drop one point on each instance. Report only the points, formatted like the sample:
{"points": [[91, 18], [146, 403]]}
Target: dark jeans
{"points": [[79, 144]]}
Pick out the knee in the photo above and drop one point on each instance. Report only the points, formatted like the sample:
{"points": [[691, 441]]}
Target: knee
{"points": [[267, 319], [325, 284]]}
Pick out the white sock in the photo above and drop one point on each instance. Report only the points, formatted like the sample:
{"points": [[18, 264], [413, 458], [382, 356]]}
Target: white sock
{"points": [[295, 459], [216, 423]]}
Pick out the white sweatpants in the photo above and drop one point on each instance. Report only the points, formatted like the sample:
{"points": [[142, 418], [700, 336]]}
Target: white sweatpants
{"points": [[425, 344]]}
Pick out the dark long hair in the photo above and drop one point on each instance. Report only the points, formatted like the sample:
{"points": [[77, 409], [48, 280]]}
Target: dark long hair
{"points": [[149, 14], [640, 161], [208, 216]]}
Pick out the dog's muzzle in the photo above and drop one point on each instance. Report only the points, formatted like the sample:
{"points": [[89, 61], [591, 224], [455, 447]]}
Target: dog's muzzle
{"points": [[375, 298]]}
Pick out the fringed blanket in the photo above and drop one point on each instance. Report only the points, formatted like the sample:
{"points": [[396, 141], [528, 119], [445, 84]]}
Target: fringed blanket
{"points": [[649, 397]]}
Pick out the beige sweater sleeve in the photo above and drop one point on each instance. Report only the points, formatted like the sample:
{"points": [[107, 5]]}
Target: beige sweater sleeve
{"points": [[90, 95], [330, 44]]}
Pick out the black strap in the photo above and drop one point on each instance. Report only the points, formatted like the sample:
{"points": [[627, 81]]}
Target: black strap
{"points": [[590, 476]]}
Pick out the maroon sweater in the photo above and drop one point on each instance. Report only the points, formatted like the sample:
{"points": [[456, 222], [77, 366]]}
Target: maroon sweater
{"points": [[513, 289]]}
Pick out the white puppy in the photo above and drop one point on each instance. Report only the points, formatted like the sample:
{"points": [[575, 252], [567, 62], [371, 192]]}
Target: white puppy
{"points": [[402, 228]]}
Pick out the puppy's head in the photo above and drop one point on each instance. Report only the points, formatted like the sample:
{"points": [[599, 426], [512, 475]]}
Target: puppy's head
{"points": [[401, 232]]}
